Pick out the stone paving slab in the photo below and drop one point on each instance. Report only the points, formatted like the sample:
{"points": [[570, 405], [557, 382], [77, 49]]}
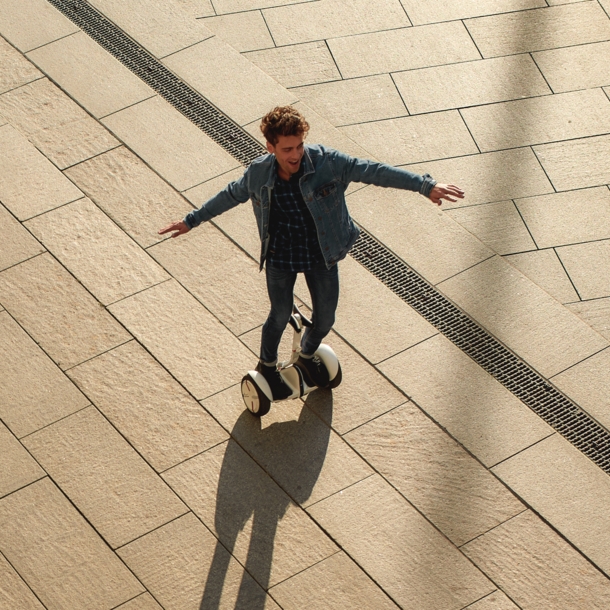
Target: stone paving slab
{"points": [[596, 313], [15, 593], [17, 244], [90, 75], [233, 6], [588, 266], [16, 70], [58, 554], [243, 31], [142, 602], [495, 601]]}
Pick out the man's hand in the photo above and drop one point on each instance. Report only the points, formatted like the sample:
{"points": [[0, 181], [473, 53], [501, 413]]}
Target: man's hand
{"points": [[180, 227], [445, 191]]}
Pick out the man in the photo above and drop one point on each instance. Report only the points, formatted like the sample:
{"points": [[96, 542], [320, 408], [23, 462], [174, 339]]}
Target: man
{"points": [[298, 195]]}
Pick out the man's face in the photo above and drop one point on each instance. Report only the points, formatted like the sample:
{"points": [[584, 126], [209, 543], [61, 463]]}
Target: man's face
{"points": [[288, 151]]}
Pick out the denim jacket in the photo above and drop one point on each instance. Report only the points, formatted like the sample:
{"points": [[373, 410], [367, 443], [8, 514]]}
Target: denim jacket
{"points": [[326, 176]]}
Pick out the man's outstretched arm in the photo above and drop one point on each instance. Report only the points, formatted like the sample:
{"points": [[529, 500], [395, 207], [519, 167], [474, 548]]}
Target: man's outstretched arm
{"points": [[449, 192]]}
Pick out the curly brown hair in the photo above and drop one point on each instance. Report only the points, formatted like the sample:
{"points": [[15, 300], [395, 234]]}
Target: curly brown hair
{"points": [[283, 121]]}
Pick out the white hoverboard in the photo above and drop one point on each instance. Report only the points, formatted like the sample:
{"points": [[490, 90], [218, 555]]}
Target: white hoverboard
{"points": [[254, 387]]}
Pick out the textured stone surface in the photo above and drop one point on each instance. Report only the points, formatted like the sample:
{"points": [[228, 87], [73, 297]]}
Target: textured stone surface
{"points": [[411, 226], [522, 316], [497, 225], [544, 268], [221, 74], [389, 539], [90, 75], [142, 602], [17, 244], [537, 568], [16, 69], [181, 562], [540, 29], [17, 467], [470, 83], [588, 266], [336, 582], [567, 218], [414, 139], [465, 400], [134, 196], [595, 313], [29, 183], [252, 517], [58, 312], [201, 353], [34, 391], [58, 554], [62, 130], [235, 6], [243, 31], [496, 601], [14, 592], [32, 23], [170, 143], [403, 49], [152, 411], [576, 164], [538, 120]]}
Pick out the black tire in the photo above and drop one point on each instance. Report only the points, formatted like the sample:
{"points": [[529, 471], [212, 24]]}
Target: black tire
{"points": [[259, 407], [337, 379]]}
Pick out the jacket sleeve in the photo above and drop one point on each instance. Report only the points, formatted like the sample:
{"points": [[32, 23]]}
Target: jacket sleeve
{"points": [[353, 169], [232, 195]]}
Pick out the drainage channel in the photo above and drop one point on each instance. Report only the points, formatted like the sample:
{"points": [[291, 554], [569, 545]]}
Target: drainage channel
{"points": [[530, 387]]}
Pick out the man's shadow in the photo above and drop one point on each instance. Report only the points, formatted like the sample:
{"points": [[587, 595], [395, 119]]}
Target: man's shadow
{"points": [[292, 453]]}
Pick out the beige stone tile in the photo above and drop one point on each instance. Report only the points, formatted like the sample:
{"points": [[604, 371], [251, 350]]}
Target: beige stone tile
{"points": [[31, 23], [17, 244], [418, 232], [186, 339], [563, 68], [134, 196], [59, 554], [588, 266], [15, 593], [537, 568], [356, 100], [160, 28], [218, 274], [34, 392], [470, 83], [182, 561], [566, 489], [16, 69], [29, 183], [450, 488], [222, 75], [567, 218], [90, 75], [496, 601], [235, 6], [333, 18], [197, 8], [293, 445], [251, 516], [170, 143], [243, 31], [57, 126], [588, 385], [105, 260], [297, 64], [373, 319], [544, 268], [17, 467], [414, 139], [497, 225], [465, 400], [539, 29], [150, 409], [537, 120], [388, 538], [143, 602], [116, 491], [595, 313], [430, 11], [403, 49], [58, 312], [336, 582], [576, 164], [521, 315], [490, 177]]}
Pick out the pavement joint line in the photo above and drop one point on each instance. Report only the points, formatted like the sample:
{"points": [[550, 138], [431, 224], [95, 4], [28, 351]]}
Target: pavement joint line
{"points": [[23, 580], [92, 156], [188, 46], [522, 450], [526, 226], [88, 406], [566, 272]]}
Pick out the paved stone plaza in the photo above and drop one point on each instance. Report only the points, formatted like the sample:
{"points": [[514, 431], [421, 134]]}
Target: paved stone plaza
{"points": [[132, 477]]}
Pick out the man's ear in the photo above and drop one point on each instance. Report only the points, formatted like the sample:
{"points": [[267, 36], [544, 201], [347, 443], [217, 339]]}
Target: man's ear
{"points": [[270, 147]]}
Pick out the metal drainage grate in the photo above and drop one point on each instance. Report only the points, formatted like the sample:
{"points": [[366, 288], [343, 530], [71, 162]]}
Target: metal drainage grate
{"points": [[531, 388]]}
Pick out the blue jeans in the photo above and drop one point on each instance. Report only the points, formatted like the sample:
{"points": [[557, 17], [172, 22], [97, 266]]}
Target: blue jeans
{"points": [[323, 287]]}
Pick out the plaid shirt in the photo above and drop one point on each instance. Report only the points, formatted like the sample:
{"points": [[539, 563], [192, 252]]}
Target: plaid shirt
{"points": [[294, 244]]}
